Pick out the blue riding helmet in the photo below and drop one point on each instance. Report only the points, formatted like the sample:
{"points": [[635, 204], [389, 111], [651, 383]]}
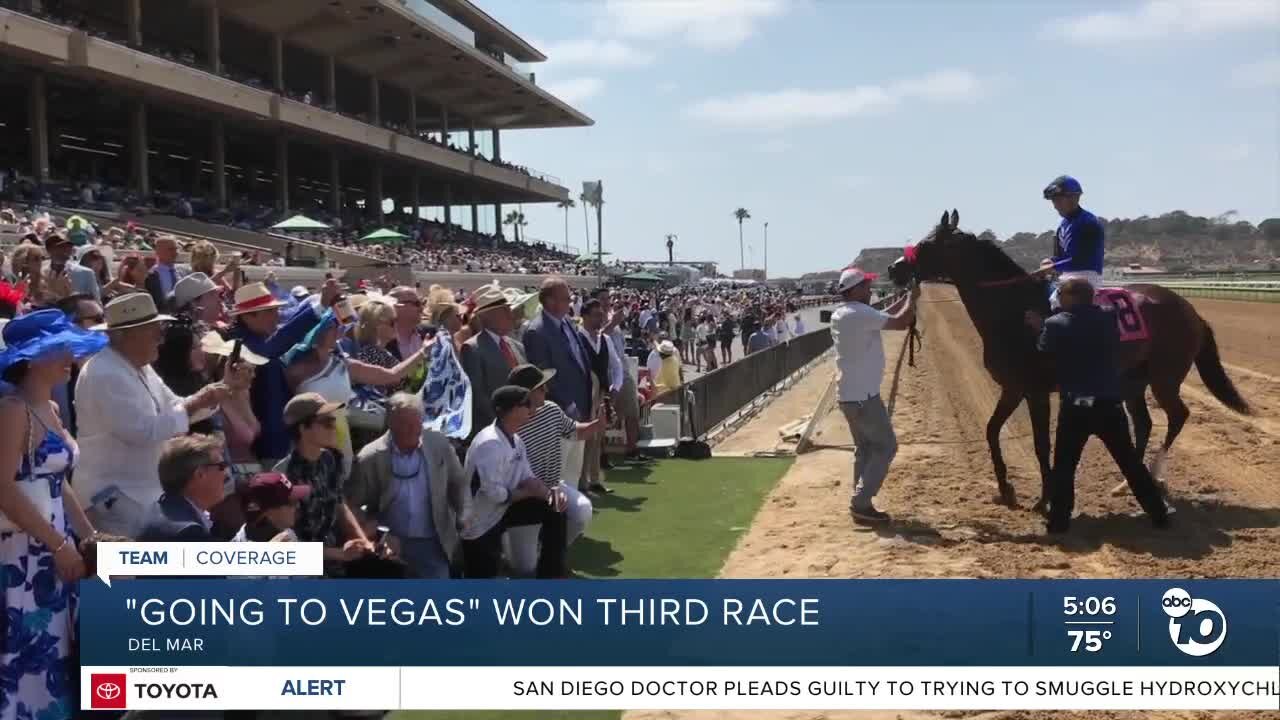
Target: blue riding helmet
{"points": [[1062, 185]]}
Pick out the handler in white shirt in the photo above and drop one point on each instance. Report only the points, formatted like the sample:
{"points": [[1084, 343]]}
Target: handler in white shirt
{"points": [[855, 332], [125, 413]]}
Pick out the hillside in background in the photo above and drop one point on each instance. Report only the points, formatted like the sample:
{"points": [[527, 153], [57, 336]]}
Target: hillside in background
{"points": [[1175, 241]]}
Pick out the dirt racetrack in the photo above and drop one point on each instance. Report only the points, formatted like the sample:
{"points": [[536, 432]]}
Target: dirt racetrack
{"points": [[1223, 474]]}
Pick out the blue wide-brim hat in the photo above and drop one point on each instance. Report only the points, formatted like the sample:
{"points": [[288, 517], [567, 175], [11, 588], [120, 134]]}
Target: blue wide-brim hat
{"points": [[45, 332], [327, 320]]}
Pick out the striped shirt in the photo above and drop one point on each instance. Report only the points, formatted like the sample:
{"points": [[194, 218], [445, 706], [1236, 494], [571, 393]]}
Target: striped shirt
{"points": [[542, 435]]}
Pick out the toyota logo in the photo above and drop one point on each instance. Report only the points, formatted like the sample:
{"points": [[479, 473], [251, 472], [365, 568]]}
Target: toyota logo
{"points": [[107, 691]]}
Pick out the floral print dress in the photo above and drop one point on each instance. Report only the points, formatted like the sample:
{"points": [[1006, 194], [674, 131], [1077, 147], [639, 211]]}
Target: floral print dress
{"points": [[36, 626]]}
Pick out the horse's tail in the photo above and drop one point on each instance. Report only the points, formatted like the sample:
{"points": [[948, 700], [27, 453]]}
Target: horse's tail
{"points": [[1215, 377]]}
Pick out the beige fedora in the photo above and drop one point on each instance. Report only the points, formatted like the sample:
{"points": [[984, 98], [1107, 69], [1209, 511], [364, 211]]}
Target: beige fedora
{"points": [[254, 297], [132, 310], [214, 344]]}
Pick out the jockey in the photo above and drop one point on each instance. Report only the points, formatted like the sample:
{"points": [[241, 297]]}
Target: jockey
{"points": [[1079, 243]]}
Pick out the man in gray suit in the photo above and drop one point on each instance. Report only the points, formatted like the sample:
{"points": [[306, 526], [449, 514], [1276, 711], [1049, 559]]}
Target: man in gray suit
{"points": [[410, 481], [489, 356], [553, 342]]}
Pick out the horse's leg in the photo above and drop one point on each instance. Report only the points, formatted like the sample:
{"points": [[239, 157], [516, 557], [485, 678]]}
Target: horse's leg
{"points": [[1167, 394], [1038, 407], [1009, 401], [1140, 414]]}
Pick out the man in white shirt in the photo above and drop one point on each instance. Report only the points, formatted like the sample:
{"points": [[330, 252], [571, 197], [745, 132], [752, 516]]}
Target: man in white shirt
{"points": [[799, 326], [855, 332], [124, 415], [509, 494]]}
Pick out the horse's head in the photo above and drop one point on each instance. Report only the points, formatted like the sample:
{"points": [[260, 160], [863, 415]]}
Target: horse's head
{"points": [[933, 257]]}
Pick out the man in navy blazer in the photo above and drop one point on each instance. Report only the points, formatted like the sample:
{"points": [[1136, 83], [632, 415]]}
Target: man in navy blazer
{"points": [[552, 342], [193, 474]]}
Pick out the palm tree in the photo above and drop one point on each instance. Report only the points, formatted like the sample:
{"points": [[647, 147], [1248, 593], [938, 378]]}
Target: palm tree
{"points": [[516, 220], [741, 214], [565, 205]]}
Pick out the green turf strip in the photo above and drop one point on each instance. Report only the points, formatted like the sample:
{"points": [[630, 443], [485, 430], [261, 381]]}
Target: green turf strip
{"points": [[669, 519]]}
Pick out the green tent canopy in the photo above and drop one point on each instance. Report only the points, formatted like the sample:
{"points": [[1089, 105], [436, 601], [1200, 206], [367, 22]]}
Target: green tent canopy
{"points": [[299, 222], [385, 235], [641, 277], [588, 257]]}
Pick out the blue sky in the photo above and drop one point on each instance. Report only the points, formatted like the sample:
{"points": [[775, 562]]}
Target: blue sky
{"points": [[850, 123]]}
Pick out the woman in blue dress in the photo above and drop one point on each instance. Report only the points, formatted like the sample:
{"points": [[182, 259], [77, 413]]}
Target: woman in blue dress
{"points": [[40, 520]]}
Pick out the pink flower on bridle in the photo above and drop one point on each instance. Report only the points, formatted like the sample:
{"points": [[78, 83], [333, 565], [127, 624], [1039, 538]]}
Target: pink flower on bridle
{"points": [[909, 254]]}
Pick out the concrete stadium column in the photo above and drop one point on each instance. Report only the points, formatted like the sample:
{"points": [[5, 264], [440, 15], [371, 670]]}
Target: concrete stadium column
{"points": [[219, 152], [282, 173], [139, 151], [416, 192], [213, 37], [413, 114], [38, 118], [375, 197], [497, 222], [133, 9], [335, 183], [471, 138], [375, 100], [444, 124], [331, 82], [277, 62], [475, 218], [497, 146], [448, 204]]}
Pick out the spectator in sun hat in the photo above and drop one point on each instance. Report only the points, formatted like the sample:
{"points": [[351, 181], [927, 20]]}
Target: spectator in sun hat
{"points": [[41, 522], [271, 505], [489, 356], [197, 297], [258, 323], [125, 413]]}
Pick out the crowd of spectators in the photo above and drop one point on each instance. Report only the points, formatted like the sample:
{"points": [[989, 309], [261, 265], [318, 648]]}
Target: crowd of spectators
{"points": [[176, 401]]}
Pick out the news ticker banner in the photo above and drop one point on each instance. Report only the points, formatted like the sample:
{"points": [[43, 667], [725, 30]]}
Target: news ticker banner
{"points": [[714, 644]]}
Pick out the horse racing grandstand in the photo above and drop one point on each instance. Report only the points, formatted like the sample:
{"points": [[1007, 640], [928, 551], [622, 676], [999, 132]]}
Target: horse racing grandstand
{"points": [[250, 110]]}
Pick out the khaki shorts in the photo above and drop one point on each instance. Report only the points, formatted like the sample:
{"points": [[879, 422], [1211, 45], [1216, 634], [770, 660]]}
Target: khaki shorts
{"points": [[627, 403]]}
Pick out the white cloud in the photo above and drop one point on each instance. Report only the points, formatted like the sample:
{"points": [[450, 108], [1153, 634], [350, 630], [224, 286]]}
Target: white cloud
{"points": [[776, 146], [707, 24], [788, 108], [1230, 152], [1164, 18], [577, 89], [595, 52], [1261, 74]]}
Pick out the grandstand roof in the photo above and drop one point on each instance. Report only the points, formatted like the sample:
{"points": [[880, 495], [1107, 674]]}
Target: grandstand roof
{"points": [[387, 39]]}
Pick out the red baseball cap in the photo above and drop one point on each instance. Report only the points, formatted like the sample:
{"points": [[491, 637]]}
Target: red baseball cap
{"points": [[270, 490]]}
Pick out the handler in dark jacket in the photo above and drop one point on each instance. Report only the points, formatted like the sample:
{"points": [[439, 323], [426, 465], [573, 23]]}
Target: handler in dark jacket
{"points": [[1085, 342], [193, 474]]}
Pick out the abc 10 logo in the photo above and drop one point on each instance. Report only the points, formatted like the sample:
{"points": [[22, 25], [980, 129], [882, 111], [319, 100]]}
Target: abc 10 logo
{"points": [[1197, 626]]}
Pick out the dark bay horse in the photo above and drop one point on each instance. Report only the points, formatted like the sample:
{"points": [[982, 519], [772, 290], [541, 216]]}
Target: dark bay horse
{"points": [[997, 293]]}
